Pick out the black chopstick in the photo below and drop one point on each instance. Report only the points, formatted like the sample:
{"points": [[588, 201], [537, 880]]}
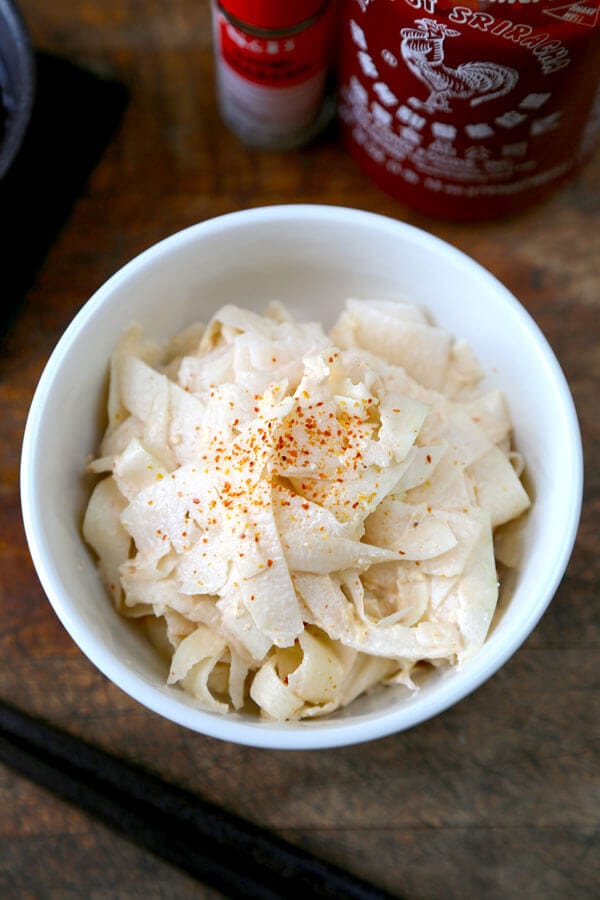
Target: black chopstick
{"points": [[222, 850]]}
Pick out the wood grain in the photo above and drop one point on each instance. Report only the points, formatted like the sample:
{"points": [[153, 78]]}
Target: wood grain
{"points": [[499, 797]]}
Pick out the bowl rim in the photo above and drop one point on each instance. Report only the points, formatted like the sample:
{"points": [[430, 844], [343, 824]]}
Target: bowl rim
{"points": [[306, 734]]}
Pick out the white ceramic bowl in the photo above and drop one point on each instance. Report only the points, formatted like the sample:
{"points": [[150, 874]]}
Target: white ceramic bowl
{"points": [[312, 258]]}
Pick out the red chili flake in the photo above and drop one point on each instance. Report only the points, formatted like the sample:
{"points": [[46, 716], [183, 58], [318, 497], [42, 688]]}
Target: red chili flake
{"points": [[195, 500], [269, 563], [428, 457], [402, 552], [354, 505], [306, 506]]}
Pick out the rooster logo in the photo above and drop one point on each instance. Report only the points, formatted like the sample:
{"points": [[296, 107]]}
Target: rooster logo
{"points": [[422, 49]]}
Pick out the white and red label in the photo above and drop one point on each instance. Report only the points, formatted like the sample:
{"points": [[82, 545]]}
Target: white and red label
{"points": [[275, 61]]}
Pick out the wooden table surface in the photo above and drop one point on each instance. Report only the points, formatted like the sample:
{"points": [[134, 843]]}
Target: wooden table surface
{"points": [[498, 797]]}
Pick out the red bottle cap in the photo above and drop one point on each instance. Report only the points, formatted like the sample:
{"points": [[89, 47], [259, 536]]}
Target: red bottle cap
{"points": [[272, 14]]}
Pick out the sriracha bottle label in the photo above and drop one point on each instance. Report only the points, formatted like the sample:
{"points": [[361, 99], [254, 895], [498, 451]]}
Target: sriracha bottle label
{"points": [[469, 110]]}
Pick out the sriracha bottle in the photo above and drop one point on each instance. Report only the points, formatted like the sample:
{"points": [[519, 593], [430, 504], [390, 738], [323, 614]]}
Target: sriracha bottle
{"points": [[473, 109]]}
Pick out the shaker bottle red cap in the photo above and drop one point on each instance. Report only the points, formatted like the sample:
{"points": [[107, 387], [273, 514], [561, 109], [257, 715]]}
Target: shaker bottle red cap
{"points": [[272, 13]]}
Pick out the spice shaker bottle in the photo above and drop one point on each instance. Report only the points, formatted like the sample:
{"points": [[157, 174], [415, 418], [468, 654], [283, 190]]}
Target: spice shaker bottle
{"points": [[472, 109], [273, 69]]}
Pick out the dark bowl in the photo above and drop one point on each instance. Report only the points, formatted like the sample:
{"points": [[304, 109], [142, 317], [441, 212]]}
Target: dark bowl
{"points": [[17, 82]]}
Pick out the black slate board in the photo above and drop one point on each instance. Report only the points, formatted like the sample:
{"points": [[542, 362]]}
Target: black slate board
{"points": [[75, 115]]}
